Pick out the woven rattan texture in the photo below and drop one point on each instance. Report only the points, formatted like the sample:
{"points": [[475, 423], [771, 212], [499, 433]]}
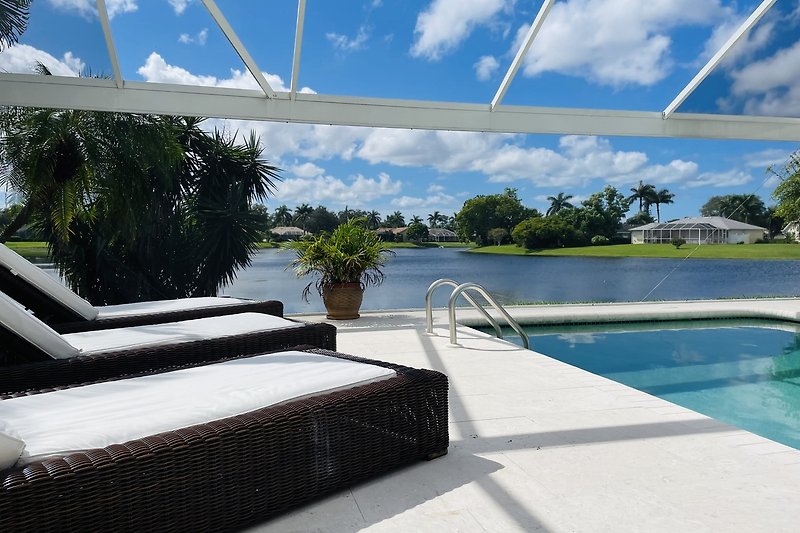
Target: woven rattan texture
{"points": [[231, 473], [26, 370]]}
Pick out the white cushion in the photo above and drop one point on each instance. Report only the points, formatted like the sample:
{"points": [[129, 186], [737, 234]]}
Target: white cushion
{"points": [[173, 332], [37, 277], [15, 318], [10, 450], [95, 416], [165, 306]]}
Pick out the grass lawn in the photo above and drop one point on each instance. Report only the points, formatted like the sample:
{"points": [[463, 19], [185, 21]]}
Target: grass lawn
{"points": [[29, 249], [429, 245], [707, 251]]}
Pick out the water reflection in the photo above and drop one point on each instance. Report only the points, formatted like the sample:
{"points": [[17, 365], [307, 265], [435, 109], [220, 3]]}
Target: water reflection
{"points": [[514, 279]]}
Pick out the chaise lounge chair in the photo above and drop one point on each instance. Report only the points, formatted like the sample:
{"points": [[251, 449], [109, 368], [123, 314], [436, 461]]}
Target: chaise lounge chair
{"points": [[66, 312], [33, 355], [153, 454]]}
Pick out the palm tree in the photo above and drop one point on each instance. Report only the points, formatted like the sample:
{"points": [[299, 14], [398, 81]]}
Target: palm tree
{"points": [[301, 214], [662, 197], [395, 220], [373, 219], [415, 220], [282, 216], [13, 21], [645, 193], [557, 203], [137, 207]]}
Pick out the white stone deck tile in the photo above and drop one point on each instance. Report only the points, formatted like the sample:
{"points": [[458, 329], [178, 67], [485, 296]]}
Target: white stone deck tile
{"points": [[538, 445]]}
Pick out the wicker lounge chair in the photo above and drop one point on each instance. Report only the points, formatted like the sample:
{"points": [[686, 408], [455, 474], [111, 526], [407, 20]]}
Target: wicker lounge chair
{"points": [[236, 471], [66, 312], [34, 356]]}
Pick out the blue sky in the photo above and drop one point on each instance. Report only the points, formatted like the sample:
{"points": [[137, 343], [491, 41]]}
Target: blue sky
{"points": [[614, 54]]}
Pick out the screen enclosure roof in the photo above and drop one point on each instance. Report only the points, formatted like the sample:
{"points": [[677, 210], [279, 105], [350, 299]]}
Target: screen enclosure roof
{"points": [[695, 111]]}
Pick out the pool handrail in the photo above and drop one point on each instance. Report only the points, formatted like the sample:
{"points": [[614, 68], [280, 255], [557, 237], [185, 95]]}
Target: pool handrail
{"points": [[429, 306], [451, 312]]}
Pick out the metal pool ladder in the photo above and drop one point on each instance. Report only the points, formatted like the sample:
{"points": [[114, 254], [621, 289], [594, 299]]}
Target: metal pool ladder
{"points": [[463, 289]]}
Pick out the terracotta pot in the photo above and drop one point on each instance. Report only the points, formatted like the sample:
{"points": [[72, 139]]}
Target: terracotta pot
{"points": [[343, 300]]}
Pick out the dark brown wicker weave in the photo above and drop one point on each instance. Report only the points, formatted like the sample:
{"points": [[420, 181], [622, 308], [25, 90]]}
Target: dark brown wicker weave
{"points": [[231, 473], [65, 320], [26, 368]]}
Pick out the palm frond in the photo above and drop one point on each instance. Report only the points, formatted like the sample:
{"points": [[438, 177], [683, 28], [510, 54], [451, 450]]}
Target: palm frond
{"points": [[13, 21]]}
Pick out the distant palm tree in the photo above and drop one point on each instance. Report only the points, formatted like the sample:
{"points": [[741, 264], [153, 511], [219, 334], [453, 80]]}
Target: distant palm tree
{"points": [[13, 21], [301, 214], [645, 194], [282, 216], [662, 197], [373, 219], [395, 220], [415, 220], [436, 218], [557, 203]]}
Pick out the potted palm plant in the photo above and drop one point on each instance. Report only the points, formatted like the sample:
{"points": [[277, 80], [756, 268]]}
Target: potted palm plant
{"points": [[344, 262]]}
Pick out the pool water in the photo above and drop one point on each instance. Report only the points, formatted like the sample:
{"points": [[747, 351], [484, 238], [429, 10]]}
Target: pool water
{"points": [[746, 374]]}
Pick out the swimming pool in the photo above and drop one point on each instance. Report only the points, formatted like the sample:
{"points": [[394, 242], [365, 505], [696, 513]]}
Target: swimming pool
{"points": [[745, 373]]}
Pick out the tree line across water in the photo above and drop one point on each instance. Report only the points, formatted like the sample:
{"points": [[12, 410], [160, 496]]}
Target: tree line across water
{"points": [[139, 207]]}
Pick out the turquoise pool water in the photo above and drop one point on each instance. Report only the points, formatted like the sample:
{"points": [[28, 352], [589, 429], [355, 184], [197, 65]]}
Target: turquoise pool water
{"points": [[744, 373]]}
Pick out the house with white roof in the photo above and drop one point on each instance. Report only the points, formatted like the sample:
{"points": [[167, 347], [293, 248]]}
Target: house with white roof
{"points": [[698, 230]]}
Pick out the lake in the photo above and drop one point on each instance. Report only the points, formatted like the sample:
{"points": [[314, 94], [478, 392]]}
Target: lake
{"points": [[517, 279]]}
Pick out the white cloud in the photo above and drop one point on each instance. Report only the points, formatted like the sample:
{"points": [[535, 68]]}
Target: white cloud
{"points": [[22, 58], [752, 42], [770, 86], [730, 178], [200, 38], [765, 158], [485, 67], [446, 151], [782, 69], [446, 23], [612, 42], [156, 69], [358, 192], [307, 170], [441, 201], [345, 44], [88, 8], [502, 158], [179, 5]]}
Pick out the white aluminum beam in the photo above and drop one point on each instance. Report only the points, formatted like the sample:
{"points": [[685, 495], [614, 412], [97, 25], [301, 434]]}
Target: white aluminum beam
{"points": [[512, 70], [298, 44], [139, 97], [102, 13], [237, 44], [759, 12]]}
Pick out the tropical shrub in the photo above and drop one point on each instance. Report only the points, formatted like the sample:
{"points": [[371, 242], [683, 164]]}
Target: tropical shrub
{"points": [[483, 213], [417, 231], [349, 254], [678, 242], [545, 232], [136, 207], [498, 235]]}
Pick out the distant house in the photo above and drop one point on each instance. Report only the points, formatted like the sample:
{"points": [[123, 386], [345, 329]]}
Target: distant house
{"points": [[698, 230], [287, 233], [392, 234], [792, 230], [442, 235]]}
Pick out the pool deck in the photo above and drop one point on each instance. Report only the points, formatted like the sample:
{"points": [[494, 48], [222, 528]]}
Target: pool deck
{"points": [[539, 445]]}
